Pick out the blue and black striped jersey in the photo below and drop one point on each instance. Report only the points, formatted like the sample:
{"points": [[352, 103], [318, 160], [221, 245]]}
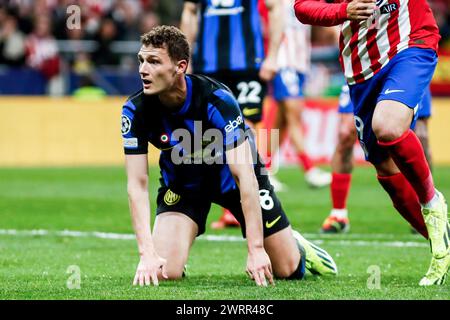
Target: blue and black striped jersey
{"points": [[230, 36], [184, 135]]}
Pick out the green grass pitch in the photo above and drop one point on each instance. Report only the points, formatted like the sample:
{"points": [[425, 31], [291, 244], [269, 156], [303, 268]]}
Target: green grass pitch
{"points": [[37, 266]]}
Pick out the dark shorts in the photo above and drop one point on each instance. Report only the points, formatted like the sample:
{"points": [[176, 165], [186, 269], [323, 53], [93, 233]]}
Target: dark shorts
{"points": [[197, 207], [248, 89]]}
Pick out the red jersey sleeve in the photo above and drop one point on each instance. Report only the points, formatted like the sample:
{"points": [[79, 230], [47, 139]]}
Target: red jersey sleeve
{"points": [[319, 13]]}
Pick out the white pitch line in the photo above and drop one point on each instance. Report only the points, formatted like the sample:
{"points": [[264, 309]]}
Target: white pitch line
{"points": [[67, 233], [364, 243], [224, 238]]}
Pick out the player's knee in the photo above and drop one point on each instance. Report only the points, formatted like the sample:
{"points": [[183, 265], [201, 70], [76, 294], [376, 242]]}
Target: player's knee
{"points": [[287, 269], [173, 274], [386, 132], [293, 115], [347, 137]]}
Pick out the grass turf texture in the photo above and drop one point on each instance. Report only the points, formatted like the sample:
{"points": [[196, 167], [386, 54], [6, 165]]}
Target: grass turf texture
{"points": [[94, 199]]}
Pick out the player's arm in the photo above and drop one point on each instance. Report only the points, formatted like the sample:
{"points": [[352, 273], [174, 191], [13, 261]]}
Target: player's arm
{"points": [[189, 23], [241, 166], [226, 116], [316, 12], [135, 143], [276, 25], [137, 186]]}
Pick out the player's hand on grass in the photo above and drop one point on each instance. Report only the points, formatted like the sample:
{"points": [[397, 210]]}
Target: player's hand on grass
{"points": [[259, 267], [360, 10], [148, 268], [268, 69]]}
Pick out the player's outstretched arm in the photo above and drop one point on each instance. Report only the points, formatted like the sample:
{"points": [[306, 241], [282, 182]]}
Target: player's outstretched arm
{"points": [[241, 166], [137, 186], [331, 14], [189, 24]]}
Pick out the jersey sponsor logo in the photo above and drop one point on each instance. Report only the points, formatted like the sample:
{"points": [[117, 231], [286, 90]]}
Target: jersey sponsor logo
{"points": [[389, 91], [171, 198], [130, 142], [233, 124], [223, 3], [223, 8], [211, 11], [126, 124], [271, 224], [388, 8], [201, 146]]}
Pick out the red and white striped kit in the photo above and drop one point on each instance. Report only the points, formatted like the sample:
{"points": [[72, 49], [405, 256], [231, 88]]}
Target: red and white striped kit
{"points": [[368, 46]]}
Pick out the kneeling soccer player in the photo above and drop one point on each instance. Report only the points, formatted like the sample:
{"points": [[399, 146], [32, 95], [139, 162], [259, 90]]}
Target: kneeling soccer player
{"points": [[173, 111]]}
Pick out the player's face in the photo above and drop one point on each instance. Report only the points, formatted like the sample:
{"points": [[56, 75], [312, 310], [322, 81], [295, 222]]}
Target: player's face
{"points": [[157, 70]]}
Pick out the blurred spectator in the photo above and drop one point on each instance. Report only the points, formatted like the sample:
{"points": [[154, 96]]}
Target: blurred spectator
{"points": [[126, 15], [149, 21], [24, 13], [42, 50], [104, 54], [82, 64], [441, 11], [12, 40], [108, 36]]}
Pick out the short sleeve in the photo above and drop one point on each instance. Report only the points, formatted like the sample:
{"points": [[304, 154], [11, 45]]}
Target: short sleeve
{"points": [[224, 114], [133, 131]]}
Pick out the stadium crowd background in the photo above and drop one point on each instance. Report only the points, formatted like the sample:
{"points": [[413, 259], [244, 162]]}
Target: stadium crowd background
{"points": [[37, 47]]}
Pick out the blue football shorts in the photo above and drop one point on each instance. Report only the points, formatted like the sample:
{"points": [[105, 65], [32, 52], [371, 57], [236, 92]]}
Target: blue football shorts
{"points": [[405, 79], [288, 83]]}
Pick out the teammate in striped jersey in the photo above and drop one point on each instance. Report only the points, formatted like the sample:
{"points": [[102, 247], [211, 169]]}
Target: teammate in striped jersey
{"points": [[388, 54], [227, 41]]}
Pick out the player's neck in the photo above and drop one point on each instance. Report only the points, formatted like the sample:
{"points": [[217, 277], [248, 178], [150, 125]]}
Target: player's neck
{"points": [[174, 98]]}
